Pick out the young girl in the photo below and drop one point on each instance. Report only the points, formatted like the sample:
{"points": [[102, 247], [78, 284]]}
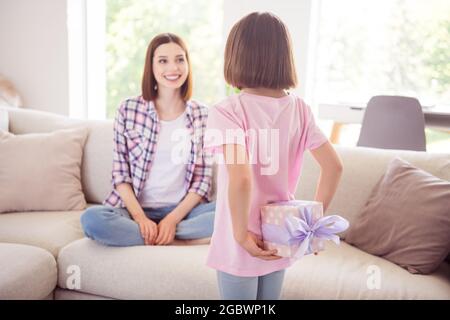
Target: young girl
{"points": [[161, 181], [259, 61]]}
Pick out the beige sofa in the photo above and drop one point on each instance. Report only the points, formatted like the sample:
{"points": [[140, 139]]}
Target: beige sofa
{"points": [[44, 255]]}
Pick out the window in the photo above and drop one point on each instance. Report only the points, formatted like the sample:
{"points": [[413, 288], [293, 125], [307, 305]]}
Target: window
{"points": [[397, 47], [86, 31], [131, 24], [383, 47]]}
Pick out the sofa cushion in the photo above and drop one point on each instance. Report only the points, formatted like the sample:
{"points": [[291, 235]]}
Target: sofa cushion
{"points": [[97, 161], [67, 294], [42, 171], [179, 272], [363, 168], [98, 151], [406, 219], [26, 272], [346, 272], [47, 230], [139, 272]]}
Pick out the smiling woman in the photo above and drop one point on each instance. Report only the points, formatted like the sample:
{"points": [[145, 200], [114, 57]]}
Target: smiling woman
{"points": [[167, 64], [156, 198]]}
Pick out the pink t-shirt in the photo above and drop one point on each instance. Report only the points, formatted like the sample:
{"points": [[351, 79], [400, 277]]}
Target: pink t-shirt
{"points": [[276, 132]]}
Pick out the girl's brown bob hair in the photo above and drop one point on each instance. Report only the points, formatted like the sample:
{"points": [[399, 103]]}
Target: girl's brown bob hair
{"points": [[148, 79], [258, 53]]}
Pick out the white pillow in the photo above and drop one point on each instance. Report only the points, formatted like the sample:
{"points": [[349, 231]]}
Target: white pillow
{"points": [[42, 171]]}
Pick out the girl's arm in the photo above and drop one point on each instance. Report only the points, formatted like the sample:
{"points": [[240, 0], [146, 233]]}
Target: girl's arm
{"points": [[330, 173], [239, 188], [239, 195]]}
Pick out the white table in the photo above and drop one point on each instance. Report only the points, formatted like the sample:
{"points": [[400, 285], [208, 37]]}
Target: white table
{"points": [[437, 117]]}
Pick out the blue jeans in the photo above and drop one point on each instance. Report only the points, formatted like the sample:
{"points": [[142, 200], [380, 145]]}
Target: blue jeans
{"points": [[115, 227], [267, 287]]}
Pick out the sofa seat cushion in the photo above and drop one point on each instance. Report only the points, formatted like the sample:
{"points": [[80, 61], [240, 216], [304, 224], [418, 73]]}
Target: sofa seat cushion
{"points": [[44, 229], [26, 272], [138, 272], [346, 272], [67, 294], [179, 272]]}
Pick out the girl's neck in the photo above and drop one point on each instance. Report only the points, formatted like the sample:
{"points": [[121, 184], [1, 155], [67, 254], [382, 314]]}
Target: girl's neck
{"points": [[169, 102], [273, 93]]}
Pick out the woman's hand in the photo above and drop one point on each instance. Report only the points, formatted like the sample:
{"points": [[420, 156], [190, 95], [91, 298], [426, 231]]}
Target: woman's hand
{"points": [[255, 247], [148, 228], [166, 230]]}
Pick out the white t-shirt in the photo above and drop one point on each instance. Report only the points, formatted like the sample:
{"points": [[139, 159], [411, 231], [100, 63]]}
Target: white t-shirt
{"points": [[165, 184]]}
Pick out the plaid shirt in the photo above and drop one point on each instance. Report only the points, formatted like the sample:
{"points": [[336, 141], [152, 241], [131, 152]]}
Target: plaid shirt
{"points": [[136, 129]]}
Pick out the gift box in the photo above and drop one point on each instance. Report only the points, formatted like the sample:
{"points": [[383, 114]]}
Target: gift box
{"points": [[297, 227]]}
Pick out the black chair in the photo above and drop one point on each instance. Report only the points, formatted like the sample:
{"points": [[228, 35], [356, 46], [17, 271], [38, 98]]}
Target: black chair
{"points": [[393, 122]]}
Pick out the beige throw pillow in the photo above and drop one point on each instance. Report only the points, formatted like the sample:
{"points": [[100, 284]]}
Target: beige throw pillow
{"points": [[42, 171], [406, 219]]}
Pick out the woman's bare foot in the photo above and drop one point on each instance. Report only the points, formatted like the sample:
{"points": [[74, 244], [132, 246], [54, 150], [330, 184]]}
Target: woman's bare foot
{"points": [[192, 242]]}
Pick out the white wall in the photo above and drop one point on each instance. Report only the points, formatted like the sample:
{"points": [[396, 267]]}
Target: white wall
{"points": [[34, 52], [296, 14]]}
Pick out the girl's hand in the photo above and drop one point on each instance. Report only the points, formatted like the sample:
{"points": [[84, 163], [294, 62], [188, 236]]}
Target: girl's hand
{"points": [[255, 247], [166, 230], [148, 228]]}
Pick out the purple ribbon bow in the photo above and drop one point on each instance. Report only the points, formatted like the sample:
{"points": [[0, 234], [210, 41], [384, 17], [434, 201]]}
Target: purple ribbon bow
{"points": [[302, 231]]}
